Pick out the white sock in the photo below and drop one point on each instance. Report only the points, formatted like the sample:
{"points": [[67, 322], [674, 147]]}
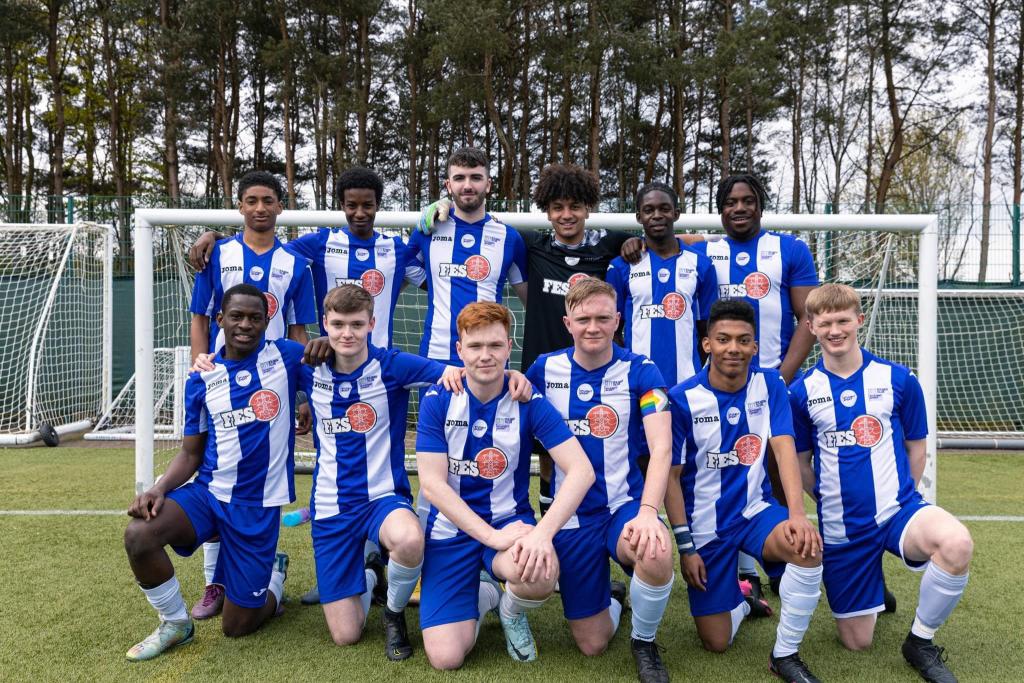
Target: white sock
{"points": [[487, 599], [401, 583], [511, 605], [366, 598], [800, 591], [211, 551], [746, 564], [277, 585], [167, 601], [738, 614], [649, 603], [940, 592], [615, 612]]}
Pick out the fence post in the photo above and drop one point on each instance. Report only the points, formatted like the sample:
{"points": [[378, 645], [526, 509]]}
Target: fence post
{"points": [[1016, 245], [71, 209], [829, 274]]}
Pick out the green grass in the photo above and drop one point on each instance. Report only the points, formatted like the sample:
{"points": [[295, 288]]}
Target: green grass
{"points": [[69, 608]]}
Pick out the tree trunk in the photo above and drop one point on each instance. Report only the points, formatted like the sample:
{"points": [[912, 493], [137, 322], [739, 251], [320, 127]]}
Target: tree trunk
{"points": [[724, 115], [168, 73], [56, 72], [992, 14], [1018, 125], [286, 105], [595, 58], [895, 151]]}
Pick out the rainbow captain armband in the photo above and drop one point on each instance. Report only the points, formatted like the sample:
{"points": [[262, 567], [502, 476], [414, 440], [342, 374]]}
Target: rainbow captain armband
{"points": [[684, 539], [654, 401]]}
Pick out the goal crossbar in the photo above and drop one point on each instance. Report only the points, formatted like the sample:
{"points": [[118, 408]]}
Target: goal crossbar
{"points": [[925, 226]]}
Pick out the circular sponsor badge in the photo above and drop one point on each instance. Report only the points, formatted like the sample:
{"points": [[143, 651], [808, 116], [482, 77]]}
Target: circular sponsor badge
{"points": [[584, 392], [362, 254], [674, 305], [603, 421], [479, 428], [663, 275], [733, 415], [345, 389], [757, 285], [272, 304], [491, 462], [477, 268], [372, 281], [467, 240], [361, 417], [577, 278], [848, 398], [265, 405], [748, 448], [243, 377], [867, 429], [572, 260], [256, 273], [742, 258]]}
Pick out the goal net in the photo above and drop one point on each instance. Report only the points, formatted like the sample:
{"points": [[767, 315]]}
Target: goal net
{"points": [[55, 313], [890, 260]]}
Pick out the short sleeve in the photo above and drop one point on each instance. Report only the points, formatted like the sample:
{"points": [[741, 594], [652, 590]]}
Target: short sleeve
{"points": [[202, 288], [535, 373], [417, 248], [801, 266], [547, 425], [303, 303], [617, 279], [309, 246], [707, 286], [646, 376], [416, 371], [517, 271], [613, 240], [430, 436], [803, 429], [680, 428], [306, 379], [195, 405], [778, 406], [913, 410]]}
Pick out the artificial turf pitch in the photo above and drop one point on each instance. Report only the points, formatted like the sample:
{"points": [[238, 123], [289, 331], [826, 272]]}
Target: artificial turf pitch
{"points": [[69, 608]]}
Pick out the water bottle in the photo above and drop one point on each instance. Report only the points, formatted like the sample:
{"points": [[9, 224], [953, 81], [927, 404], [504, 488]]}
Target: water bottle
{"points": [[295, 517]]}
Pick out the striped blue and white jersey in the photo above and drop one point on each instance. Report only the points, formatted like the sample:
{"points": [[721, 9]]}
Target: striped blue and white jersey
{"points": [[762, 271], [246, 408], [856, 428], [359, 428], [720, 439], [281, 276], [602, 409], [378, 265], [487, 447], [661, 301], [465, 263]]}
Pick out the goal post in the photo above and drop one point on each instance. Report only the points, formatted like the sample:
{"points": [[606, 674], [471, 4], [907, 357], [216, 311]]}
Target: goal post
{"points": [[56, 307]]}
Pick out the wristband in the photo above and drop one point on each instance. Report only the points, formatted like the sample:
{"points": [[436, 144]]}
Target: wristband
{"points": [[684, 539], [650, 506]]}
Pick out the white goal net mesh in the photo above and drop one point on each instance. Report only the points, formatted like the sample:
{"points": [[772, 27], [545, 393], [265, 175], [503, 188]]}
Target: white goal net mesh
{"points": [[54, 281]]}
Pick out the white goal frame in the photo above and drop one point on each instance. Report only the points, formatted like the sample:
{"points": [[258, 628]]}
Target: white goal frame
{"points": [[925, 226]]}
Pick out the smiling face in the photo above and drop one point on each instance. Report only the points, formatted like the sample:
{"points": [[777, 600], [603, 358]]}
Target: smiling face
{"points": [[568, 219], [468, 186], [260, 208], [741, 213], [836, 331], [657, 213], [592, 324], [484, 350], [243, 320], [360, 207], [731, 344], [348, 332]]}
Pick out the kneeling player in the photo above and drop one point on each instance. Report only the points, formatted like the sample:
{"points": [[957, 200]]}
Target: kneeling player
{"points": [[606, 394], [473, 452], [360, 487], [238, 435], [865, 419], [723, 419]]}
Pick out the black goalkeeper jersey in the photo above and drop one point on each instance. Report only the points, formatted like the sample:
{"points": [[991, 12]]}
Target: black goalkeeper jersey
{"points": [[552, 266]]}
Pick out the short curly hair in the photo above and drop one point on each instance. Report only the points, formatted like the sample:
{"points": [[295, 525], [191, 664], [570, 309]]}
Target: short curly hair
{"points": [[260, 179], [566, 181], [359, 178], [656, 186]]}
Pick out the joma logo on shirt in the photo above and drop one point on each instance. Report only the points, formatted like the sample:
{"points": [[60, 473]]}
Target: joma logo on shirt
{"points": [[231, 269], [819, 400]]}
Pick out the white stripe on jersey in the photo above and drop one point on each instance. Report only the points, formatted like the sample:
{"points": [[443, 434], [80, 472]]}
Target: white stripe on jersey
{"points": [[275, 487], [707, 483], [829, 482], [386, 261], [229, 450], [326, 498], [456, 436], [558, 370], [337, 251], [492, 248], [440, 325], [380, 481], [769, 309], [883, 455], [616, 447], [503, 500]]}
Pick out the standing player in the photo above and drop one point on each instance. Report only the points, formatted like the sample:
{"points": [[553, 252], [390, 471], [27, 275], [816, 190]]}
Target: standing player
{"points": [[865, 419], [723, 419], [468, 257], [355, 254], [360, 487], [238, 435], [255, 257], [773, 273], [665, 297], [473, 451], [606, 394]]}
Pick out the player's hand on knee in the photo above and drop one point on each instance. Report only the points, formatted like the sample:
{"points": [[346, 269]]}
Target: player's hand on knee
{"points": [[202, 363], [519, 388], [632, 250], [801, 534], [504, 538], [646, 534], [534, 556], [303, 420], [694, 571], [146, 505], [317, 351], [451, 378]]}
